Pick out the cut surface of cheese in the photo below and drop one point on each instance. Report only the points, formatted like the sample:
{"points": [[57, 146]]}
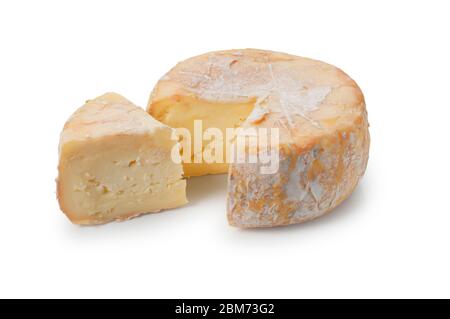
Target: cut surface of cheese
{"points": [[320, 114], [115, 163], [180, 112]]}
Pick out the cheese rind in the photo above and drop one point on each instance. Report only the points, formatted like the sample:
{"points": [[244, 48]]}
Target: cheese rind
{"points": [[115, 163], [318, 109], [311, 181]]}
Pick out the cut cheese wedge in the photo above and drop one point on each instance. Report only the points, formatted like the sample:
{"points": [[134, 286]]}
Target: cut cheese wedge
{"points": [[115, 163], [320, 115]]}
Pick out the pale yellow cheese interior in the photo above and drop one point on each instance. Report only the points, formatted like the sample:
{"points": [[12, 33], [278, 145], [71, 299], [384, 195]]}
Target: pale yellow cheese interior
{"points": [[119, 177], [181, 111]]}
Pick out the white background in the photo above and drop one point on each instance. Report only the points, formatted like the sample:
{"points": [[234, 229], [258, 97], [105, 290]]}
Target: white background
{"points": [[390, 239]]}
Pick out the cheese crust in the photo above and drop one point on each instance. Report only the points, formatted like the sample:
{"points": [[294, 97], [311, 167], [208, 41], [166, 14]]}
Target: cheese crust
{"points": [[320, 113]]}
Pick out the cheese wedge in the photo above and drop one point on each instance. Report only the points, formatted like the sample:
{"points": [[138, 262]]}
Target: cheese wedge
{"points": [[320, 114], [115, 163]]}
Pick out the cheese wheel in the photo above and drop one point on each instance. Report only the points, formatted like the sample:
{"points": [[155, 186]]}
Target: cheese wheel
{"points": [[320, 115], [115, 163]]}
